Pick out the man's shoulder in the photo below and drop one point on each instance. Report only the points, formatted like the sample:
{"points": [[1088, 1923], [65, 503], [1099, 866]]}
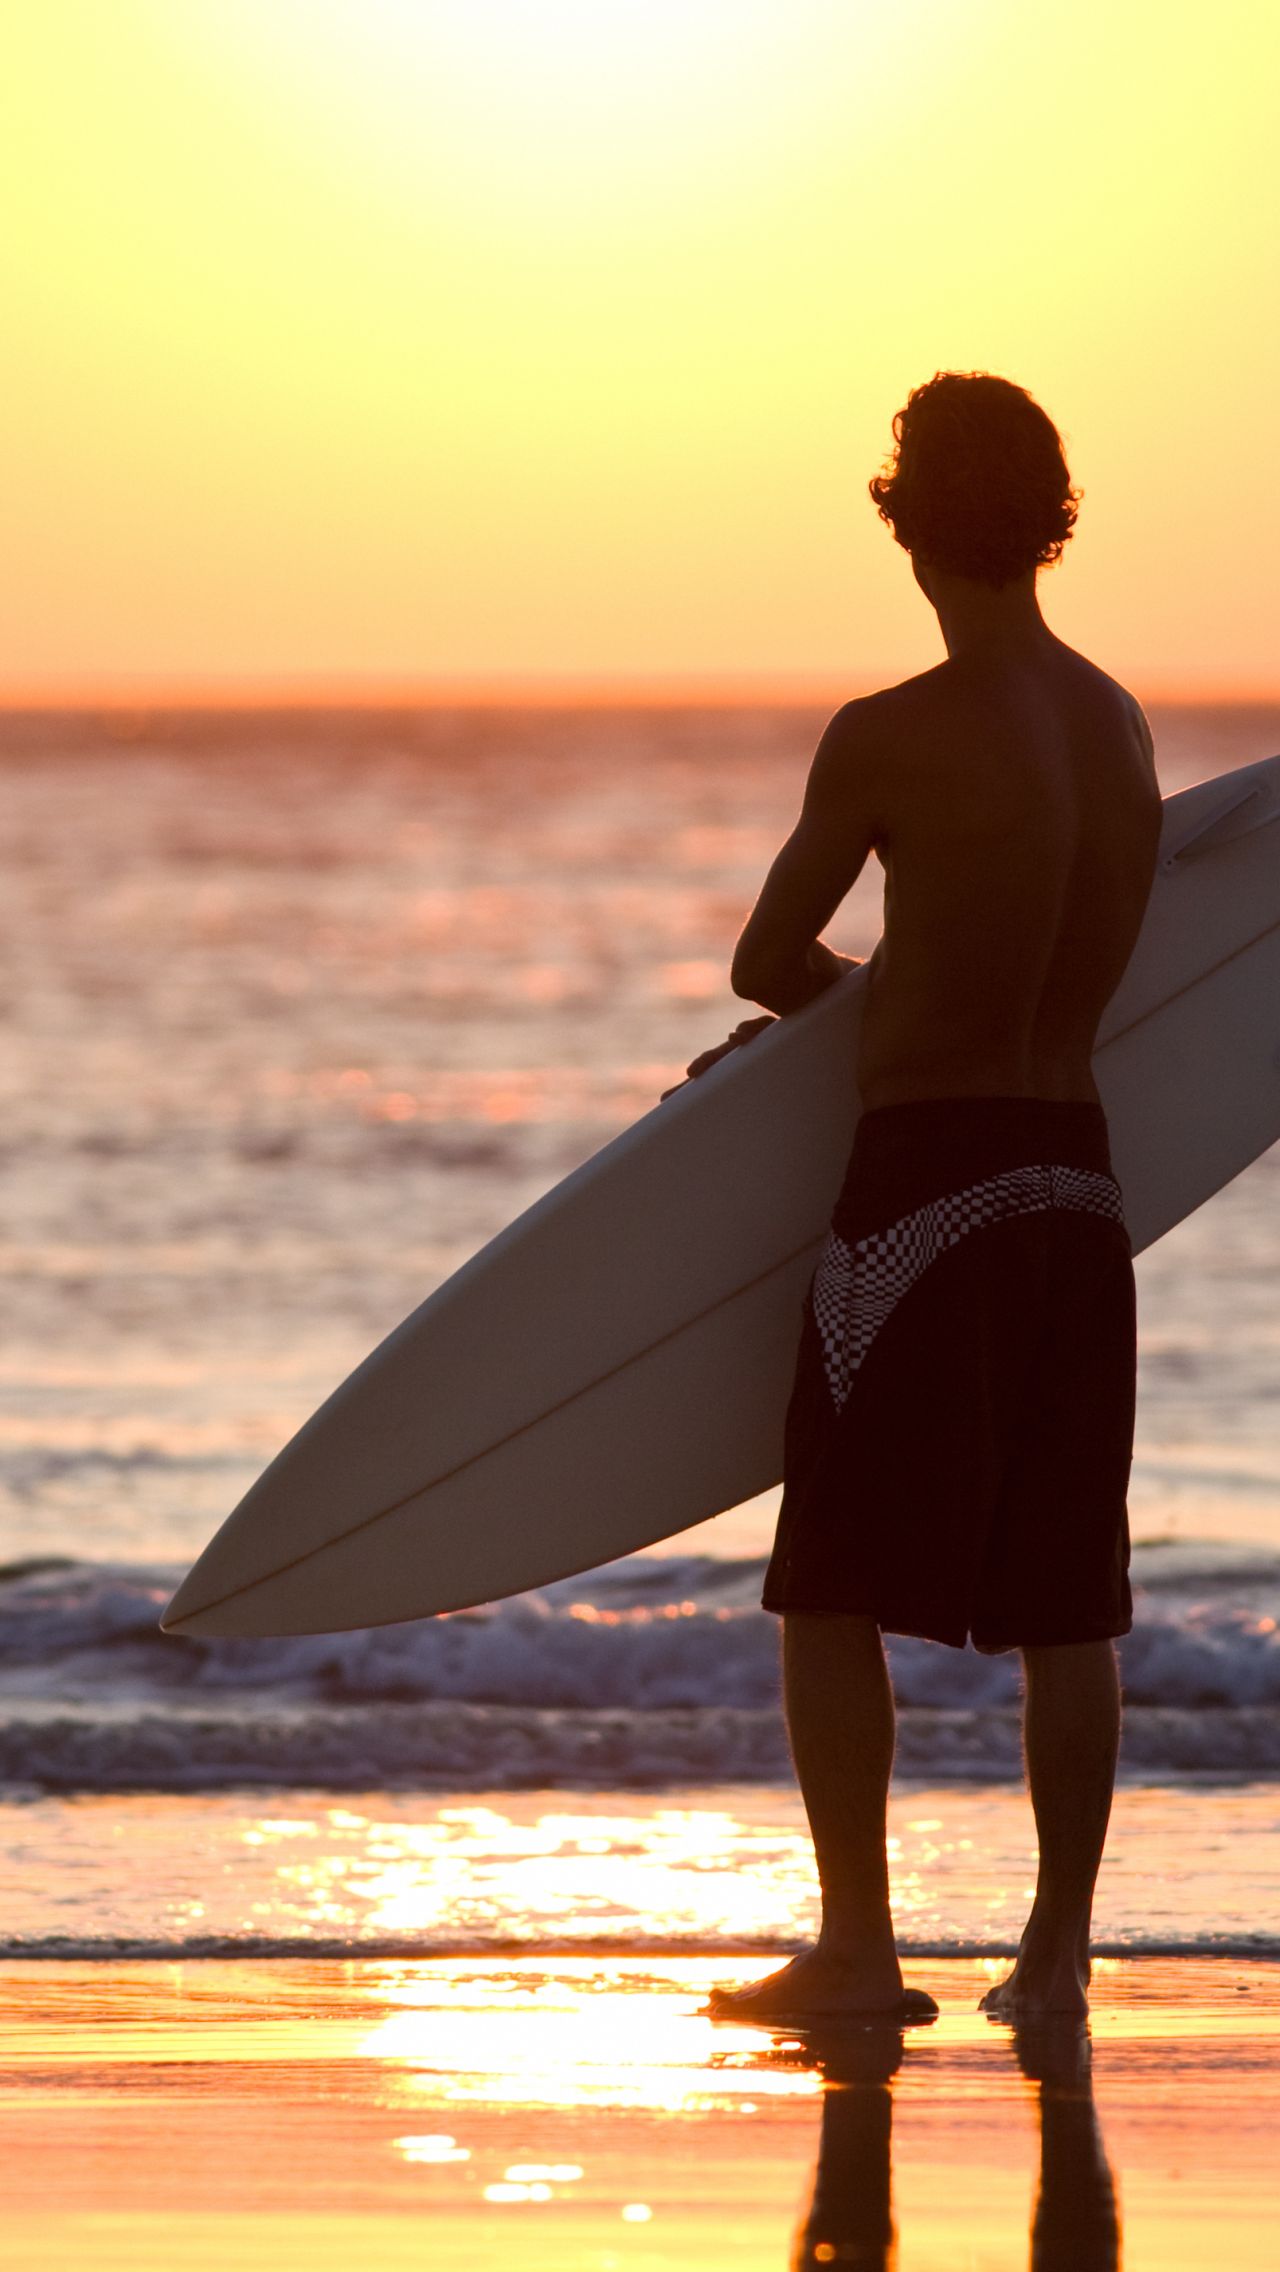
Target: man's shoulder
{"points": [[936, 708], [1124, 703], [870, 722], [1080, 674], [859, 765]]}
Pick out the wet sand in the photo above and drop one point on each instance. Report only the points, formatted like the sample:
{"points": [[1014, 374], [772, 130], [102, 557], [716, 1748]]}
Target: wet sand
{"points": [[577, 2112]]}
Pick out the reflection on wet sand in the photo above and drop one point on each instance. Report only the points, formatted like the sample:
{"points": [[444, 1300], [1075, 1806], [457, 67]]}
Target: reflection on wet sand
{"points": [[850, 2217], [1075, 2224], [580, 2112]]}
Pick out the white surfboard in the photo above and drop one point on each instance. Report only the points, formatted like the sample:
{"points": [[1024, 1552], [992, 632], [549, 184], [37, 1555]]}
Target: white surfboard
{"points": [[616, 1365]]}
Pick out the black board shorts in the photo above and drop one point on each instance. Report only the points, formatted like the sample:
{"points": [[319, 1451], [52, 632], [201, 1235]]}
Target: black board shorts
{"points": [[960, 1430]]}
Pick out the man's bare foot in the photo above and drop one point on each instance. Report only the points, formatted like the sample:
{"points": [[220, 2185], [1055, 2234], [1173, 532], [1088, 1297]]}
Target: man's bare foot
{"points": [[816, 1987], [1052, 1985]]}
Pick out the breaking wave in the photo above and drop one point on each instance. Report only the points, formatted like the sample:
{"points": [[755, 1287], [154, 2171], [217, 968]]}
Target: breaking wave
{"points": [[653, 1671]]}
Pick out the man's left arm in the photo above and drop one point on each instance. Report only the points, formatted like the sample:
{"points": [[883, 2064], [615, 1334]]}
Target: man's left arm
{"points": [[780, 959]]}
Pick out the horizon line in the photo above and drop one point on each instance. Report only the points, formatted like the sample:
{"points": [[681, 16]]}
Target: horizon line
{"points": [[142, 693]]}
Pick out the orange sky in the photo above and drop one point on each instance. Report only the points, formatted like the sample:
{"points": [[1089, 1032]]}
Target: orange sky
{"points": [[355, 341]]}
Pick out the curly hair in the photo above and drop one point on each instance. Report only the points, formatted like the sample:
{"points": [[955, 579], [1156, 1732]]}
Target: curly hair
{"points": [[978, 483]]}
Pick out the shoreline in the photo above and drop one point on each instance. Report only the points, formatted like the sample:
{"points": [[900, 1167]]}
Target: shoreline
{"points": [[1262, 1951], [692, 1870]]}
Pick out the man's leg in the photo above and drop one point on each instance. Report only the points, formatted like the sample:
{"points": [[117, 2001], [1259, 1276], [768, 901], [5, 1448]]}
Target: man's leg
{"points": [[840, 1719], [1072, 1739]]}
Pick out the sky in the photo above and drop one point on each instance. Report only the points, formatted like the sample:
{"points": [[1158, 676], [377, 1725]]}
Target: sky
{"points": [[383, 344]]}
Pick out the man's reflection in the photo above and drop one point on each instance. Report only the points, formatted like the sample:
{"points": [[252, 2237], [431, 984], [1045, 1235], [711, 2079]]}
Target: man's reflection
{"points": [[850, 2219], [1075, 2226]]}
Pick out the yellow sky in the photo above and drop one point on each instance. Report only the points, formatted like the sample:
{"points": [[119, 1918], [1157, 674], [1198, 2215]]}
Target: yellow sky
{"points": [[404, 339]]}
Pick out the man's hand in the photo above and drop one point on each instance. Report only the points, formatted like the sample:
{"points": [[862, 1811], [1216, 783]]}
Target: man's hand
{"points": [[747, 1031]]}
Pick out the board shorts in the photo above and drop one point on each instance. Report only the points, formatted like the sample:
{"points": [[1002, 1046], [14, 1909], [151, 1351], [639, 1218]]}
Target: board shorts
{"points": [[960, 1431]]}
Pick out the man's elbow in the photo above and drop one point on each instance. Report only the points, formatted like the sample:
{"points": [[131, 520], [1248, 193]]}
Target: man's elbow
{"points": [[747, 977], [769, 988]]}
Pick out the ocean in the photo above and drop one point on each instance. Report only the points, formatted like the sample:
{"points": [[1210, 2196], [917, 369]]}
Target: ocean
{"points": [[298, 1010]]}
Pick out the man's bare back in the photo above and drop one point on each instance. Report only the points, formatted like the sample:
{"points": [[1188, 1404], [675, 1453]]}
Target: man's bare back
{"points": [[1010, 796], [1020, 821]]}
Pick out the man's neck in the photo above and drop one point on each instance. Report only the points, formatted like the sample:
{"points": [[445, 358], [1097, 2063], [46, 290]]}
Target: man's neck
{"points": [[978, 618]]}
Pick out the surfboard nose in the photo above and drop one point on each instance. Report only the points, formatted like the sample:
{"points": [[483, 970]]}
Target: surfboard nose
{"points": [[201, 1605], [183, 1613], [251, 1611]]}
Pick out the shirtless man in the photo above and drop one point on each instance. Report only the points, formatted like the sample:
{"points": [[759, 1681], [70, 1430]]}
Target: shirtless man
{"points": [[961, 1427]]}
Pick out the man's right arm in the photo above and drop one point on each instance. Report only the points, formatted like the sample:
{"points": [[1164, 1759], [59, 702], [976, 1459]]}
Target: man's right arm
{"points": [[781, 960]]}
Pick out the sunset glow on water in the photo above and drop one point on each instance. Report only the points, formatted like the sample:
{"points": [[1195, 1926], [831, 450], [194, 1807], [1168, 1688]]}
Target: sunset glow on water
{"points": [[725, 1870]]}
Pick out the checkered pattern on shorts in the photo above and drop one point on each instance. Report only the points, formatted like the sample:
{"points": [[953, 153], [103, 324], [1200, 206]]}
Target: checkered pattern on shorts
{"points": [[856, 1288]]}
